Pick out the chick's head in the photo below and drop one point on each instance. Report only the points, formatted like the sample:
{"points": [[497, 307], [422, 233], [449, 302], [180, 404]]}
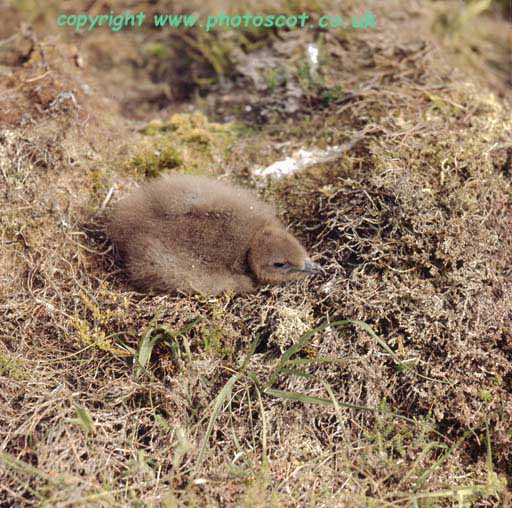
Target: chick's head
{"points": [[276, 256]]}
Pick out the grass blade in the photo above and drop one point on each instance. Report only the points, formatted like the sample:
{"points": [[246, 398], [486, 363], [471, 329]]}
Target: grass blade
{"points": [[301, 397], [223, 395], [306, 338], [250, 352], [297, 397], [84, 419]]}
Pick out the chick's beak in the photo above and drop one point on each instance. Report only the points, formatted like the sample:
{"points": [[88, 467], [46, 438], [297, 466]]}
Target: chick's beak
{"points": [[310, 267]]}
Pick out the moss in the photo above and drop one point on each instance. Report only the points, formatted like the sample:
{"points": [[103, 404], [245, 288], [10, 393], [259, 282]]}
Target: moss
{"points": [[213, 342], [195, 127], [157, 50], [157, 159], [13, 368], [486, 396], [292, 322], [93, 324], [188, 142], [272, 79]]}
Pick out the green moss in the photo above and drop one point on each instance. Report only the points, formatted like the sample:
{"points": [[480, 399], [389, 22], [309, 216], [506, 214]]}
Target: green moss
{"points": [[155, 127], [455, 19], [154, 162], [157, 50], [333, 94], [213, 341], [187, 140], [12, 368], [272, 79], [486, 396]]}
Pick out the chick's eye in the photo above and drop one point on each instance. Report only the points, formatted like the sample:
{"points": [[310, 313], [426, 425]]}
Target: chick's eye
{"points": [[279, 265]]}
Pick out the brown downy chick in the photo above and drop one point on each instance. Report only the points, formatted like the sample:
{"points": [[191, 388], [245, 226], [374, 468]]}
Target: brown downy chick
{"points": [[197, 235]]}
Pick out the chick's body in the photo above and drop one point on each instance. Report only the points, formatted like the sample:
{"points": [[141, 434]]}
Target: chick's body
{"points": [[194, 234]]}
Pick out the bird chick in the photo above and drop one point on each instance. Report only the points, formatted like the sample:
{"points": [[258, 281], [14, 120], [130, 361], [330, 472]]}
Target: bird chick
{"points": [[194, 234]]}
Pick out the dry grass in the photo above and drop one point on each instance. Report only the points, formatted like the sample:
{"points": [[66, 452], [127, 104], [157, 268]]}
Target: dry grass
{"points": [[113, 398]]}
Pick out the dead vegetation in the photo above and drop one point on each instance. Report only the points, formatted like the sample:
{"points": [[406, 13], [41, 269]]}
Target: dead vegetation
{"points": [[403, 398]]}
